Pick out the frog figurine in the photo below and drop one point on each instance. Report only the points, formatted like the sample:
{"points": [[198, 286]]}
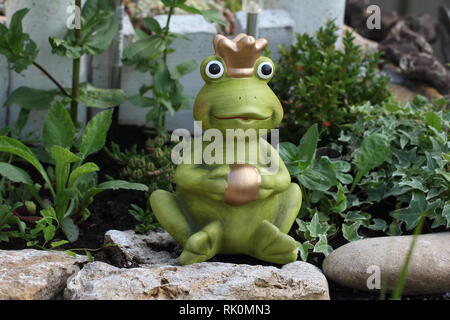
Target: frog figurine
{"points": [[236, 208]]}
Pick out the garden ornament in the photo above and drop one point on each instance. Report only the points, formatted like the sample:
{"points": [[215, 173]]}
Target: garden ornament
{"points": [[237, 207]]}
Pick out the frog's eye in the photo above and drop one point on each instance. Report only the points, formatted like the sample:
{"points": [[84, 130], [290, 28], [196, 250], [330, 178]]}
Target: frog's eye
{"points": [[265, 70], [214, 69]]}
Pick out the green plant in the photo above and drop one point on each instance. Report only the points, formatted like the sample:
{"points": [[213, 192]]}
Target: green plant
{"points": [[70, 181], [6, 219], [152, 166], [146, 219], [318, 83], [393, 169], [99, 26], [149, 54]]}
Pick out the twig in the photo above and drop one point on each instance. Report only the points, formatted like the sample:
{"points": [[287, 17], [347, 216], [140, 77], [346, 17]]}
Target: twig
{"points": [[60, 87]]}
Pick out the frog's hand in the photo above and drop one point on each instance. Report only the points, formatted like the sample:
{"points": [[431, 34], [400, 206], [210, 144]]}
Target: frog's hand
{"points": [[208, 180], [203, 245], [275, 177]]}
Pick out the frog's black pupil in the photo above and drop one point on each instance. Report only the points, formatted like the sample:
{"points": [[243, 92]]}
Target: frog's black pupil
{"points": [[215, 68], [266, 69]]}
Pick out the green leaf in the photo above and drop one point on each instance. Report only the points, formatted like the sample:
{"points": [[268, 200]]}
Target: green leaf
{"points": [[94, 136], [322, 246], [58, 128], [81, 171], [141, 101], [16, 21], [17, 148], [152, 25], [374, 151], [64, 48], [63, 155], [57, 244], [32, 99], [70, 229], [211, 16], [303, 249], [320, 176], [162, 81], [341, 201], [184, 68], [307, 147], [446, 214], [100, 98], [434, 120], [411, 215], [14, 174], [378, 225], [119, 184], [146, 49], [316, 228], [350, 232]]}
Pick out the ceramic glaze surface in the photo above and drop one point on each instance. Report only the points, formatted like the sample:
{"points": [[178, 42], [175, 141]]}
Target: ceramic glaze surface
{"points": [[234, 208]]}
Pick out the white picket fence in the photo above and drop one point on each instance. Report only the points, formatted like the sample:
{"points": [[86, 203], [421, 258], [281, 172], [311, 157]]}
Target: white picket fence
{"points": [[278, 24]]}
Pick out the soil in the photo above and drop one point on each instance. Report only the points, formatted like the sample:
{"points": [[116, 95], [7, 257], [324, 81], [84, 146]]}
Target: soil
{"points": [[109, 211]]}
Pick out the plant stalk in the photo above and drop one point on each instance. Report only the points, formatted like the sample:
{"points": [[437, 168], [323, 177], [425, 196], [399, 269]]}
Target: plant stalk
{"points": [[58, 85], [75, 75], [166, 30]]}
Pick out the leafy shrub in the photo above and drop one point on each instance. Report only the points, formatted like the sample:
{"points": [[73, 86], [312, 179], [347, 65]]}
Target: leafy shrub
{"points": [[317, 83], [145, 217], [394, 168], [70, 180]]}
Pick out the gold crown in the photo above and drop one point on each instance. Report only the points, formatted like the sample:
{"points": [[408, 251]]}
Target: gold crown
{"points": [[239, 54]]}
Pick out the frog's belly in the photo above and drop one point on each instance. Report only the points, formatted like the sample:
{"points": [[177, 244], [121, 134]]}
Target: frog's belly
{"points": [[239, 222]]}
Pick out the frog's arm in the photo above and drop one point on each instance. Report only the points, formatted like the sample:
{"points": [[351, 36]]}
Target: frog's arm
{"points": [[202, 179], [275, 179]]}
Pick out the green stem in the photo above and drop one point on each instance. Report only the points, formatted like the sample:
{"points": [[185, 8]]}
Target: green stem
{"points": [[166, 30], [58, 85], [400, 285], [75, 75]]}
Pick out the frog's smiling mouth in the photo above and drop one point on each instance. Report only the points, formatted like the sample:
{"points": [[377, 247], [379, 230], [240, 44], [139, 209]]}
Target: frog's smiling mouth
{"points": [[245, 117]]}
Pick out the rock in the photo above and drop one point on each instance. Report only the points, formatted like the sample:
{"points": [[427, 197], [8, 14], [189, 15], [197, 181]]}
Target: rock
{"points": [[351, 265], [205, 281], [408, 93], [35, 275], [131, 250], [367, 46]]}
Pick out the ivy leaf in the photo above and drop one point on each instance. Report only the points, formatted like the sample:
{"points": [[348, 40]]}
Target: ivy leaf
{"points": [[446, 213], [378, 225], [316, 228], [411, 215], [32, 99], [322, 246], [341, 200], [374, 151], [303, 249], [350, 232]]}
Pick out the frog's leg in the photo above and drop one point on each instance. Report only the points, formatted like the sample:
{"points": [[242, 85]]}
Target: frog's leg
{"points": [[270, 241], [167, 209], [289, 203], [203, 245]]}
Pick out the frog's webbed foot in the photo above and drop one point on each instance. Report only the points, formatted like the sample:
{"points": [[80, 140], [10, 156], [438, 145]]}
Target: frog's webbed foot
{"points": [[271, 245], [203, 245]]}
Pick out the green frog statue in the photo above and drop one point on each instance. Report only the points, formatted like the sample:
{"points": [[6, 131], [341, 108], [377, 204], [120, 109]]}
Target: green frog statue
{"points": [[239, 206]]}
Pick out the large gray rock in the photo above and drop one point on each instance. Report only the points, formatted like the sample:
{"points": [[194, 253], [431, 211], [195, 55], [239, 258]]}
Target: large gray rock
{"points": [[356, 264], [157, 248], [35, 275], [205, 281]]}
